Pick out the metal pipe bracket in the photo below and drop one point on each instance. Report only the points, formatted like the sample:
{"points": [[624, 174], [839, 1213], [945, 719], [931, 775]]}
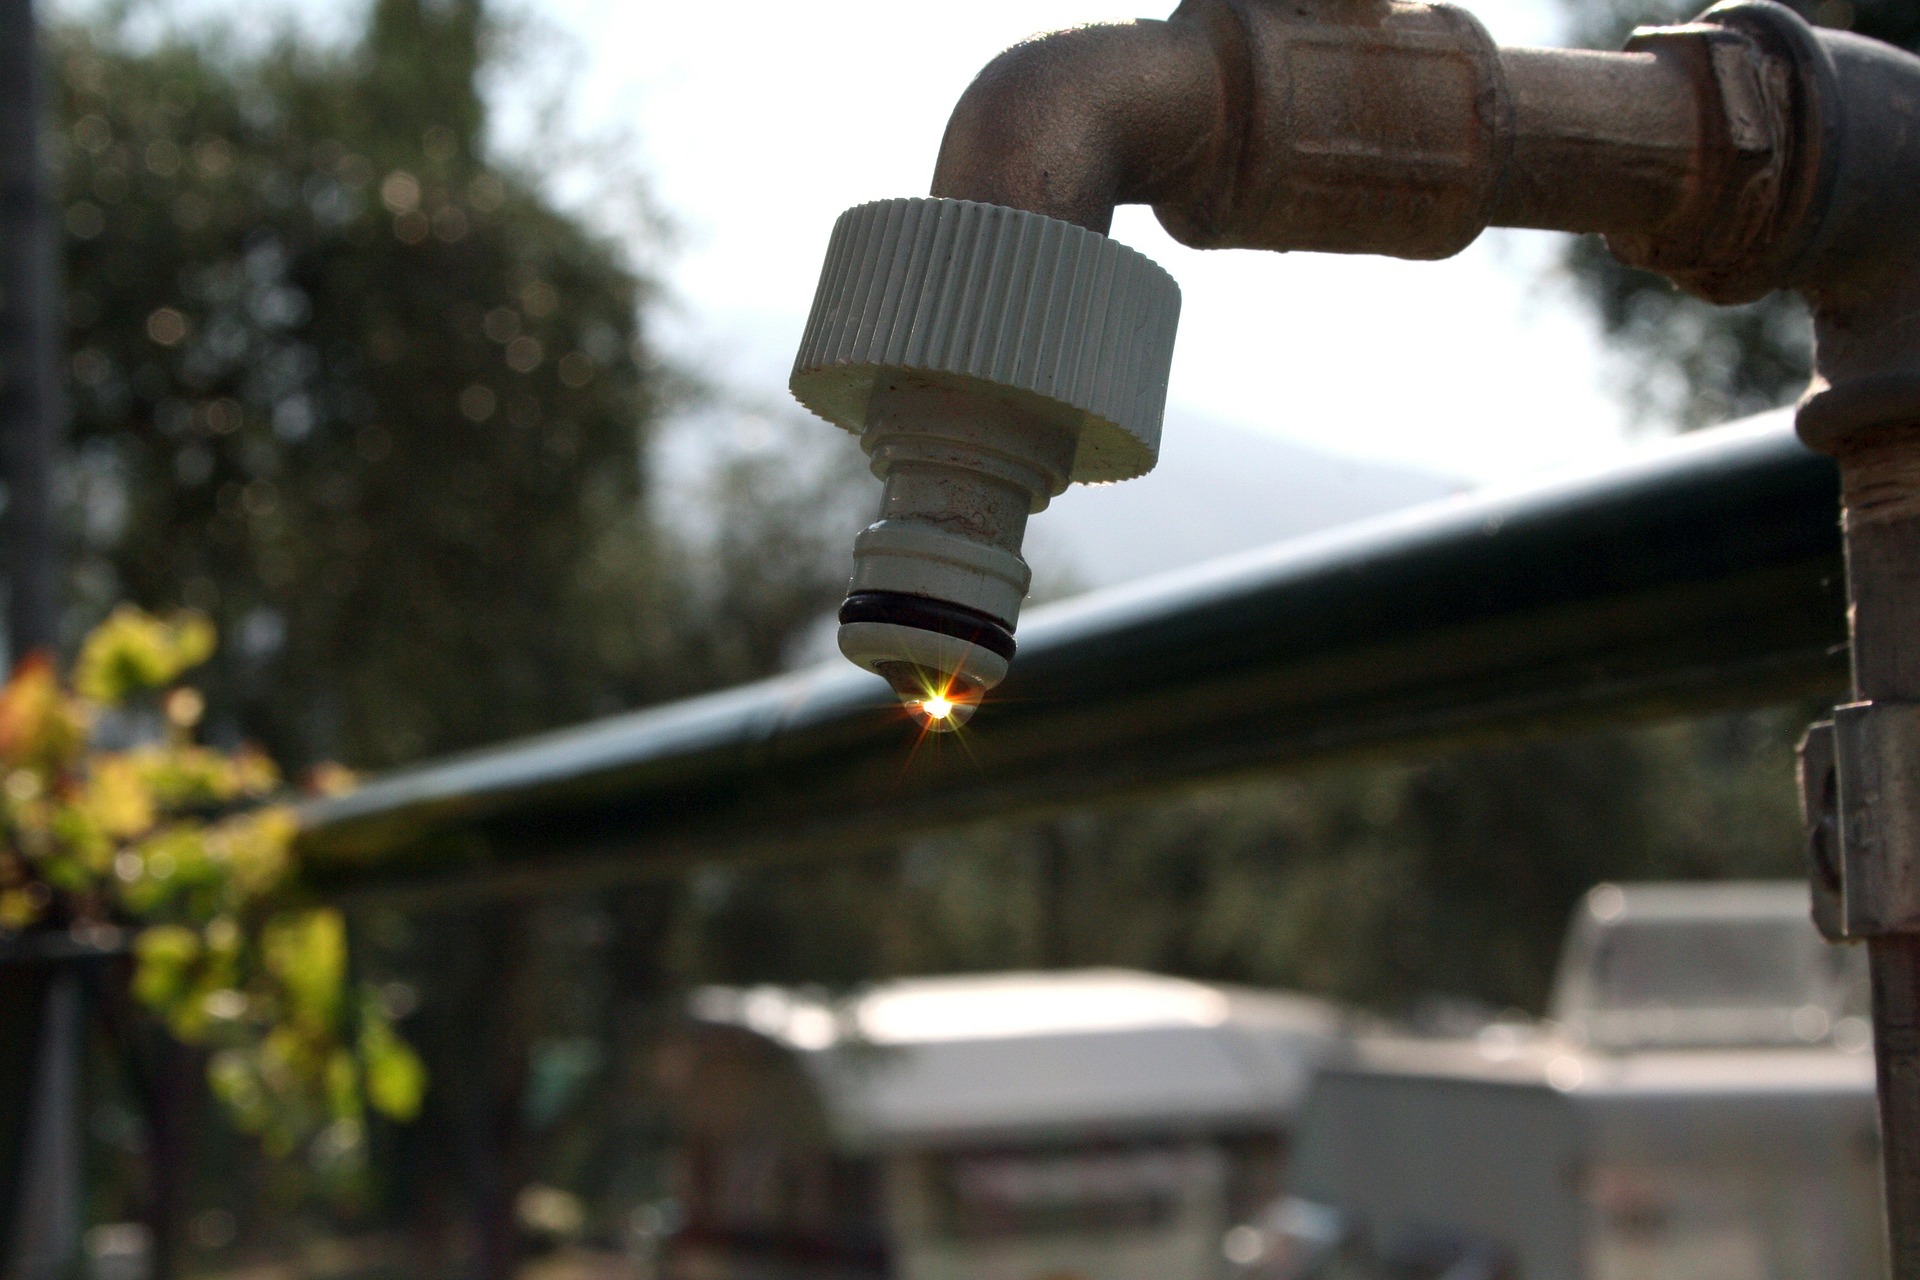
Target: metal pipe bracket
{"points": [[1860, 802]]}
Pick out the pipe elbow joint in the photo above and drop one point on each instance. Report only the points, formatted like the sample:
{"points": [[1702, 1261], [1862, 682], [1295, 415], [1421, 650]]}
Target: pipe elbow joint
{"points": [[1074, 123], [1344, 126]]}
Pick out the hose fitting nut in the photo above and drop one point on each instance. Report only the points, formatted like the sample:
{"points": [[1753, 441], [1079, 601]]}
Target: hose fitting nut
{"points": [[986, 357]]}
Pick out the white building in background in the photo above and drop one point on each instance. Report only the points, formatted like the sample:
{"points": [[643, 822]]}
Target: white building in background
{"points": [[1102, 1124], [1699, 1106]]}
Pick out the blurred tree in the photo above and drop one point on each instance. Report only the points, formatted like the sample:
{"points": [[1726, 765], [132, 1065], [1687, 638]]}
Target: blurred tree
{"points": [[367, 398], [1690, 364]]}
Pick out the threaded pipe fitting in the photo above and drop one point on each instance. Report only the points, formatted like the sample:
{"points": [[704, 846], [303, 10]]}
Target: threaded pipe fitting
{"points": [[986, 357]]}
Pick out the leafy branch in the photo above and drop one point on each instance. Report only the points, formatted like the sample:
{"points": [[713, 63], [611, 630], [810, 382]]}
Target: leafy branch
{"points": [[190, 848]]}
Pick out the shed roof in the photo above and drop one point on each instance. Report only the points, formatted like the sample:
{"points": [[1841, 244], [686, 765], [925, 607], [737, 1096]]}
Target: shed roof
{"points": [[1031, 1057]]}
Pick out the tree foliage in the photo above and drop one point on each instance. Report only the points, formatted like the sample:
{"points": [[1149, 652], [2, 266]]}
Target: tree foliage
{"points": [[1689, 363], [188, 849], [368, 400]]}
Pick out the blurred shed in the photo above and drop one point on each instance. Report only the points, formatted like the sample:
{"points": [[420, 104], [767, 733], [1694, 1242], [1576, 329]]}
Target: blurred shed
{"points": [[1101, 1122]]}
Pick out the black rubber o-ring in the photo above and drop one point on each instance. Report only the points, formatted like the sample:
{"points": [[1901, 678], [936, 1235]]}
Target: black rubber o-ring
{"points": [[928, 614]]}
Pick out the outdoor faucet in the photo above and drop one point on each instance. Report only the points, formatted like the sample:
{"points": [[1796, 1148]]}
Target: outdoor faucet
{"points": [[990, 344]]}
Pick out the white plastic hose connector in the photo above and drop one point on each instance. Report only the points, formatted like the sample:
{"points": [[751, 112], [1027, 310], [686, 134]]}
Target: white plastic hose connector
{"points": [[1014, 304], [986, 357]]}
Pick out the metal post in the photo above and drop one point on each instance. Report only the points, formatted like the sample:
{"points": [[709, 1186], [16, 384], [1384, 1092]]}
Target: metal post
{"points": [[1883, 569], [39, 1213], [1860, 793], [29, 396], [1896, 1039], [23, 1004], [46, 1223]]}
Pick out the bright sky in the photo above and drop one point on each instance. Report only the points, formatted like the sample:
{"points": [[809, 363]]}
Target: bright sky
{"points": [[763, 119], [760, 120]]}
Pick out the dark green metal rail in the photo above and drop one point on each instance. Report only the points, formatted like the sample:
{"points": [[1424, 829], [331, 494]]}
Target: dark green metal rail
{"points": [[1706, 575]]}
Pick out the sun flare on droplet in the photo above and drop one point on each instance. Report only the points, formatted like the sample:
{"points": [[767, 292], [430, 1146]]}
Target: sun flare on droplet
{"points": [[938, 701], [943, 710]]}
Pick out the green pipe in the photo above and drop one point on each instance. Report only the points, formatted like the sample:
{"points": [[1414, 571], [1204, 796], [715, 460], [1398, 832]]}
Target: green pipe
{"points": [[1706, 574]]}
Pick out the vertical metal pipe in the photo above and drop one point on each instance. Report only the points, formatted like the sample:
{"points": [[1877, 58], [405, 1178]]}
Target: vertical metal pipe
{"points": [[46, 1226], [39, 1216], [1883, 584], [23, 1005], [1896, 1042], [29, 397]]}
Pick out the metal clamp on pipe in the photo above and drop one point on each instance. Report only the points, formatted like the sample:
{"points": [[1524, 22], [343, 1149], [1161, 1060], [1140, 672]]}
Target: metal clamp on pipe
{"points": [[1860, 801], [1820, 823]]}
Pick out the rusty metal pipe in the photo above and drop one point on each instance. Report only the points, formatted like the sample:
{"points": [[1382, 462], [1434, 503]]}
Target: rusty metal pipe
{"points": [[1360, 128], [1855, 255], [1074, 123], [1604, 142]]}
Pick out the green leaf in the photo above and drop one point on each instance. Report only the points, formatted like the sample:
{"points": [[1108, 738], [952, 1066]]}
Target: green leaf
{"points": [[396, 1079], [165, 956], [133, 651], [308, 954]]}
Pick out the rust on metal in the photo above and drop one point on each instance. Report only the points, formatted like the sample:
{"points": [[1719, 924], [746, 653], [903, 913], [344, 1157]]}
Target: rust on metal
{"points": [[1377, 127]]}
